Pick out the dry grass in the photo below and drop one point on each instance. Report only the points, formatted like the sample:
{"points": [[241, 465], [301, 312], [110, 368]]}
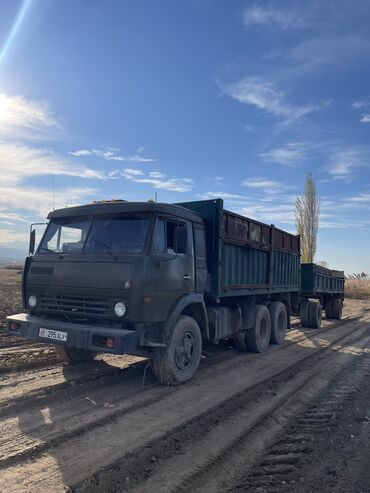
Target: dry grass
{"points": [[10, 293], [13, 266], [357, 288]]}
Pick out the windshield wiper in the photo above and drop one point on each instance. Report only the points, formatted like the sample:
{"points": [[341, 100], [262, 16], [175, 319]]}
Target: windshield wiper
{"points": [[105, 246]]}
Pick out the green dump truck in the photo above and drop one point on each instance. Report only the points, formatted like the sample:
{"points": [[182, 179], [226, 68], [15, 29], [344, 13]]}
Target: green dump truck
{"points": [[162, 279]]}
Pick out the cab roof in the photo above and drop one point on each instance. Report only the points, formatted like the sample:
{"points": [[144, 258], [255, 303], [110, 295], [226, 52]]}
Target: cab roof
{"points": [[123, 207]]}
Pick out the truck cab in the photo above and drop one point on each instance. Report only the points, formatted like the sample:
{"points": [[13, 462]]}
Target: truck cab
{"points": [[119, 277]]}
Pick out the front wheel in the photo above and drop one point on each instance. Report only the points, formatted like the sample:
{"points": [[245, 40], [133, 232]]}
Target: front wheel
{"points": [[74, 355], [177, 363]]}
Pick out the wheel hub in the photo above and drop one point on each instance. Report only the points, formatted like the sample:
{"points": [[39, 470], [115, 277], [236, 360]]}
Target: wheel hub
{"points": [[184, 352]]}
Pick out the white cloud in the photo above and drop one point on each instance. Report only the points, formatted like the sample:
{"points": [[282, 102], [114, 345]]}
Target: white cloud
{"points": [[325, 52], [365, 119], [361, 197], [39, 201], [341, 169], [81, 152], [270, 16], [20, 161], [133, 172], [264, 95], [7, 214], [357, 105], [265, 184], [172, 184], [156, 174], [222, 195], [281, 213], [24, 118], [111, 155], [289, 155], [10, 236], [343, 162]]}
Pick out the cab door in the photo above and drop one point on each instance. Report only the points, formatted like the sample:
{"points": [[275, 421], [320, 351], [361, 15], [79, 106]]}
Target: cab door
{"points": [[172, 264]]}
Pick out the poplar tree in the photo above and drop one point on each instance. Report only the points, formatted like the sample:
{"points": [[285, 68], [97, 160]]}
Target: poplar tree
{"points": [[307, 212]]}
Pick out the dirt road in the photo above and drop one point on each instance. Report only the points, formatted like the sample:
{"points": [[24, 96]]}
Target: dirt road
{"points": [[246, 422]]}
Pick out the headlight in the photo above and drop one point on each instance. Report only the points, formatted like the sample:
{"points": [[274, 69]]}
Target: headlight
{"points": [[120, 309], [32, 301]]}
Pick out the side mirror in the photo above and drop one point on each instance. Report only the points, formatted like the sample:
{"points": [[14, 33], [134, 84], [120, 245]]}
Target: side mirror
{"points": [[33, 236], [32, 241]]}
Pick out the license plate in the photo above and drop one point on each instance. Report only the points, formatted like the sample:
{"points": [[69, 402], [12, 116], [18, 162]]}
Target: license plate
{"points": [[56, 335]]}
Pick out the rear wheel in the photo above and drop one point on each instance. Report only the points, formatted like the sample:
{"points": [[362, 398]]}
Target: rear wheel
{"points": [[337, 309], [177, 362], [74, 355], [314, 315], [258, 338], [279, 322], [303, 313]]}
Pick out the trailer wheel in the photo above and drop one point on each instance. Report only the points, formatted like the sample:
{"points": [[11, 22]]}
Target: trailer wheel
{"points": [[303, 313], [329, 308], [258, 338], [279, 322], [337, 309], [314, 315], [74, 355], [177, 362]]}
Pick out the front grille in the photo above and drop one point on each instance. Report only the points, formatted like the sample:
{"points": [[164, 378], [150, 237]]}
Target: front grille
{"points": [[75, 305]]}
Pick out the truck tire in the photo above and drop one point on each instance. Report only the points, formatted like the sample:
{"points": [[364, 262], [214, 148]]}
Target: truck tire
{"points": [[179, 360], [303, 313], [337, 309], [329, 308], [74, 355], [314, 315], [258, 338], [279, 322]]}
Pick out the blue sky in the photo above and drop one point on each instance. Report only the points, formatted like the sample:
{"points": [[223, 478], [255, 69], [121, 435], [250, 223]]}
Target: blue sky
{"points": [[190, 99]]}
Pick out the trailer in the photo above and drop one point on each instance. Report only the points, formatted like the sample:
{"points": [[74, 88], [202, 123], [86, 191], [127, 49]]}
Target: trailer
{"points": [[163, 279], [325, 285]]}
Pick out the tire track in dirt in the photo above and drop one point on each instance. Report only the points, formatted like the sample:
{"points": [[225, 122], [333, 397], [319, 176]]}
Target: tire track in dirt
{"points": [[51, 383], [125, 434], [46, 382], [40, 387], [299, 436], [210, 439]]}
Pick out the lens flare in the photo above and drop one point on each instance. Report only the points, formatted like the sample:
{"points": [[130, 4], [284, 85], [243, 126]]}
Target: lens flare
{"points": [[16, 26]]}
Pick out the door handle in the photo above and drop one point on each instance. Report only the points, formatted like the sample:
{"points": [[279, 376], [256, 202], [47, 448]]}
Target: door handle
{"points": [[187, 277]]}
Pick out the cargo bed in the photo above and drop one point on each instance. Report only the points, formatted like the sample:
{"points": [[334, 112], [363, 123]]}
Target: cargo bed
{"points": [[247, 257], [318, 280]]}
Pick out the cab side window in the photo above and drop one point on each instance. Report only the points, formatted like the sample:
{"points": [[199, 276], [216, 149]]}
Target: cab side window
{"points": [[159, 238], [182, 238], [170, 237]]}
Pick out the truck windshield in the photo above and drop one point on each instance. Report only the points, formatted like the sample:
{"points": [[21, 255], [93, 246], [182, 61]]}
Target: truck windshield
{"points": [[95, 235], [117, 235], [65, 235]]}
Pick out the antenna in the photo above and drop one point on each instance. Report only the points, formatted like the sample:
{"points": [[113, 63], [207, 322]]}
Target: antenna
{"points": [[53, 196], [156, 197]]}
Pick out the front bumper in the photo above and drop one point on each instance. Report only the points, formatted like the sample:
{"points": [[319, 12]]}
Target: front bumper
{"points": [[78, 335]]}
